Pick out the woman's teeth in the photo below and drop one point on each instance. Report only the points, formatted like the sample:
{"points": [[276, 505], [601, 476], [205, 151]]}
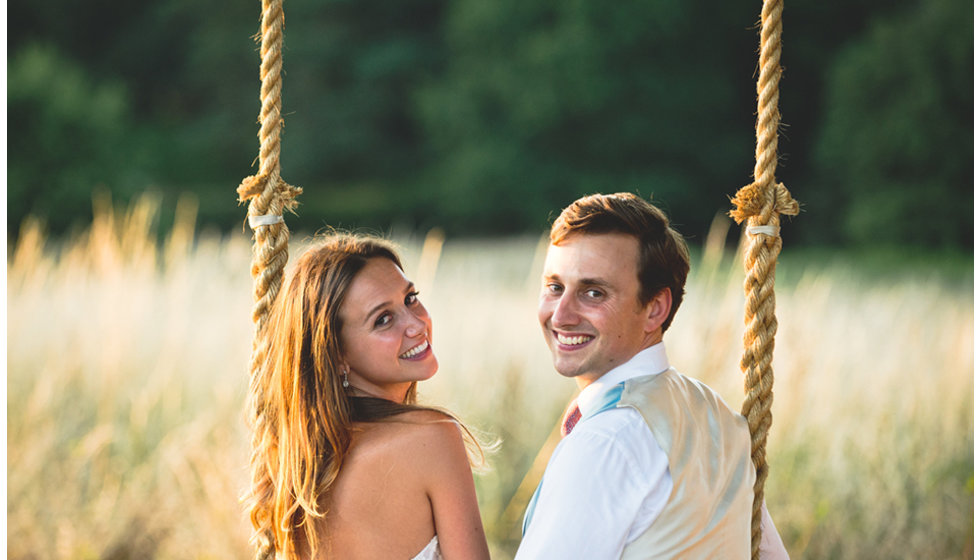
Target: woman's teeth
{"points": [[417, 350]]}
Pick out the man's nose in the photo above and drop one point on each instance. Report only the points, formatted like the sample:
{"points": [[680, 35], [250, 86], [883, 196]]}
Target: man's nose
{"points": [[565, 313]]}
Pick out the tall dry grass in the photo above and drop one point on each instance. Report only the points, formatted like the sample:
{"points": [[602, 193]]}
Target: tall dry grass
{"points": [[127, 358]]}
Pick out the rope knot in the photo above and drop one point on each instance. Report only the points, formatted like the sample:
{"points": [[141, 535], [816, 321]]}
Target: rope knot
{"points": [[254, 186], [751, 200]]}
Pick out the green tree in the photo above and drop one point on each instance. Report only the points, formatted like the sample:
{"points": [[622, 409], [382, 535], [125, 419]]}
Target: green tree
{"points": [[485, 117], [545, 101], [896, 148], [128, 96], [67, 137]]}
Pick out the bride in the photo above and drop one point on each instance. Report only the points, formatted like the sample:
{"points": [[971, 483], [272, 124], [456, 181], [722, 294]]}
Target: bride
{"points": [[344, 463]]}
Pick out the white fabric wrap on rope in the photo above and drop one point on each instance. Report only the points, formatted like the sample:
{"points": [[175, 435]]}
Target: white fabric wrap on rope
{"points": [[771, 231], [264, 220]]}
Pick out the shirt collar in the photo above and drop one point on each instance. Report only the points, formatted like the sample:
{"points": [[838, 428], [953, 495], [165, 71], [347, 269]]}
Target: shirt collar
{"points": [[648, 361]]}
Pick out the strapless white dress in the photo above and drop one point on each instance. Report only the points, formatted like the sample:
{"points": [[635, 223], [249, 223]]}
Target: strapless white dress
{"points": [[431, 551]]}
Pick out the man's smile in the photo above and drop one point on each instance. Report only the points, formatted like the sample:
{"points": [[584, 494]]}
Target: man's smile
{"points": [[572, 341]]}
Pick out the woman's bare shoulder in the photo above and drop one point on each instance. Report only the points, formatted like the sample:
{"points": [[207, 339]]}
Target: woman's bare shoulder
{"points": [[412, 428], [435, 448], [427, 427], [425, 416]]}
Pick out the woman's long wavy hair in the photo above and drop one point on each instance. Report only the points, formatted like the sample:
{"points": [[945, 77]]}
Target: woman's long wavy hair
{"points": [[301, 416]]}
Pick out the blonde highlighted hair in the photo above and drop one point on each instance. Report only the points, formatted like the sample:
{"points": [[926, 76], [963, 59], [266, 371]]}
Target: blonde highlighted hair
{"points": [[300, 414]]}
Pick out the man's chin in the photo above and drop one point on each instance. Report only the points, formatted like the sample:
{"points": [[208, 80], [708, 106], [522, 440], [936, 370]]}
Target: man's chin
{"points": [[570, 370]]}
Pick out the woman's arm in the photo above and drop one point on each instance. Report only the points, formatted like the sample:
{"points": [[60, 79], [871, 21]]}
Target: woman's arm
{"points": [[449, 485]]}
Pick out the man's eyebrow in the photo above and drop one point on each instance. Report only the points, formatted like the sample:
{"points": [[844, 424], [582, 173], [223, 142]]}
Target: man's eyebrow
{"points": [[593, 282], [597, 282]]}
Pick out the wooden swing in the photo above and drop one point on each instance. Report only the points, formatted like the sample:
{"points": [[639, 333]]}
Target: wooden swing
{"points": [[758, 204]]}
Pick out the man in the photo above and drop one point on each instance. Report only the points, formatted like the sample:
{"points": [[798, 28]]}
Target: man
{"points": [[654, 464]]}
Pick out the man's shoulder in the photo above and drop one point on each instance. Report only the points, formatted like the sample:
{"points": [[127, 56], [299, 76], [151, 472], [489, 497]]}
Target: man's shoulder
{"points": [[675, 381], [616, 427], [616, 442]]}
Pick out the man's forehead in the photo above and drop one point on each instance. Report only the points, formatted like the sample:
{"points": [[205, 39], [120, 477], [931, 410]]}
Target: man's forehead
{"points": [[619, 244], [595, 256]]}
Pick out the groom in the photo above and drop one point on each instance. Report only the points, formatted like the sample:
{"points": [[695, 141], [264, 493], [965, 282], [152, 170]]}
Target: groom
{"points": [[652, 463]]}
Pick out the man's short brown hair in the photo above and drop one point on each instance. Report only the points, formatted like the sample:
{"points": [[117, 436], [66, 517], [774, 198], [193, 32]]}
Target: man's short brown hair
{"points": [[663, 260]]}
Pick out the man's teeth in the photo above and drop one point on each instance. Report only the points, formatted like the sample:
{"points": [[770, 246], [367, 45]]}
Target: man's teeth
{"points": [[416, 351], [572, 340]]}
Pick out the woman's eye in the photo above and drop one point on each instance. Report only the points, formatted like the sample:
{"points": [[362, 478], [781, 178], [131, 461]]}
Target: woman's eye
{"points": [[382, 319], [412, 298]]}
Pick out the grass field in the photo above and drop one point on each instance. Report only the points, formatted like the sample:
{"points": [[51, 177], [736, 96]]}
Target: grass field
{"points": [[126, 377]]}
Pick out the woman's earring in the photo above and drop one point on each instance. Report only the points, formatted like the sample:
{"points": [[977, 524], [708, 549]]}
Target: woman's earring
{"points": [[346, 382]]}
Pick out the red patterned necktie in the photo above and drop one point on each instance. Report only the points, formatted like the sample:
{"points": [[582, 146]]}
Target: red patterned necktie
{"points": [[571, 417]]}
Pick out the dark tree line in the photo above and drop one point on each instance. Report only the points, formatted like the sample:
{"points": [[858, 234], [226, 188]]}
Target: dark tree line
{"points": [[486, 117]]}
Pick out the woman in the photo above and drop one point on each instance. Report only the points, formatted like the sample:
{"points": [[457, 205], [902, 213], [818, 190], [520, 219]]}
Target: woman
{"points": [[344, 464]]}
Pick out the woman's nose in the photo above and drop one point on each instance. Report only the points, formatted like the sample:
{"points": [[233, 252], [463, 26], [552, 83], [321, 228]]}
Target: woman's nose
{"points": [[416, 325]]}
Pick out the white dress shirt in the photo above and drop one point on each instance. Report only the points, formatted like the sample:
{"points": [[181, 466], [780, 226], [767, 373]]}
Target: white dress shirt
{"points": [[608, 480]]}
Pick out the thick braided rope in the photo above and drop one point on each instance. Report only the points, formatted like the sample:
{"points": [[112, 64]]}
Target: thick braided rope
{"points": [[761, 203], [267, 195]]}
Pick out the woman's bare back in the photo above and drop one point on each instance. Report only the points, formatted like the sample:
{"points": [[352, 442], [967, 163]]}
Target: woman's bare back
{"points": [[395, 475]]}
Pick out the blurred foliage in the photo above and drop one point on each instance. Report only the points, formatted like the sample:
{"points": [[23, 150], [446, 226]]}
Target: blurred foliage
{"points": [[489, 117], [56, 110], [576, 97], [893, 147]]}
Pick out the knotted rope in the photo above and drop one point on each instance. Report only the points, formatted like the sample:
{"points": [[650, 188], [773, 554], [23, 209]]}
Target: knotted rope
{"points": [[760, 204], [268, 197]]}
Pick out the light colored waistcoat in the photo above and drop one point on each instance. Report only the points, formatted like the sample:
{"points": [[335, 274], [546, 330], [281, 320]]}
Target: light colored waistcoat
{"points": [[709, 511]]}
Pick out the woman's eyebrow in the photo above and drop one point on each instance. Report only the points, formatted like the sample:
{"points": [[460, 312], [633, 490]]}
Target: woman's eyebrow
{"points": [[375, 309], [408, 288]]}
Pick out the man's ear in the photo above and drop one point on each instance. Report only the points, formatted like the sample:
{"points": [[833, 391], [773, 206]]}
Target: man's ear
{"points": [[657, 309]]}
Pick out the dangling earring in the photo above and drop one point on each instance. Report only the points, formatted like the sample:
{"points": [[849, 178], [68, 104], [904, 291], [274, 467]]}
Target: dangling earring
{"points": [[346, 382]]}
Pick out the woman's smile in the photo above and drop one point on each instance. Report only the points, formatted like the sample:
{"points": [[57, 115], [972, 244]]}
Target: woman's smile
{"points": [[417, 352]]}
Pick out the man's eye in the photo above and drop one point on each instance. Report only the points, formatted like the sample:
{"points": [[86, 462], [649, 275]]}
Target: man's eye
{"points": [[594, 294], [553, 288], [382, 319]]}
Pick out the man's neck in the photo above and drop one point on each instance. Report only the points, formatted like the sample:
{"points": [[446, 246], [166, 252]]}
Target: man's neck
{"points": [[587, 379]]}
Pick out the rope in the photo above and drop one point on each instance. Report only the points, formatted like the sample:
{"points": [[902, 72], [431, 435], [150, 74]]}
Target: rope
{"points": [[268, 197], [760, 204]]}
